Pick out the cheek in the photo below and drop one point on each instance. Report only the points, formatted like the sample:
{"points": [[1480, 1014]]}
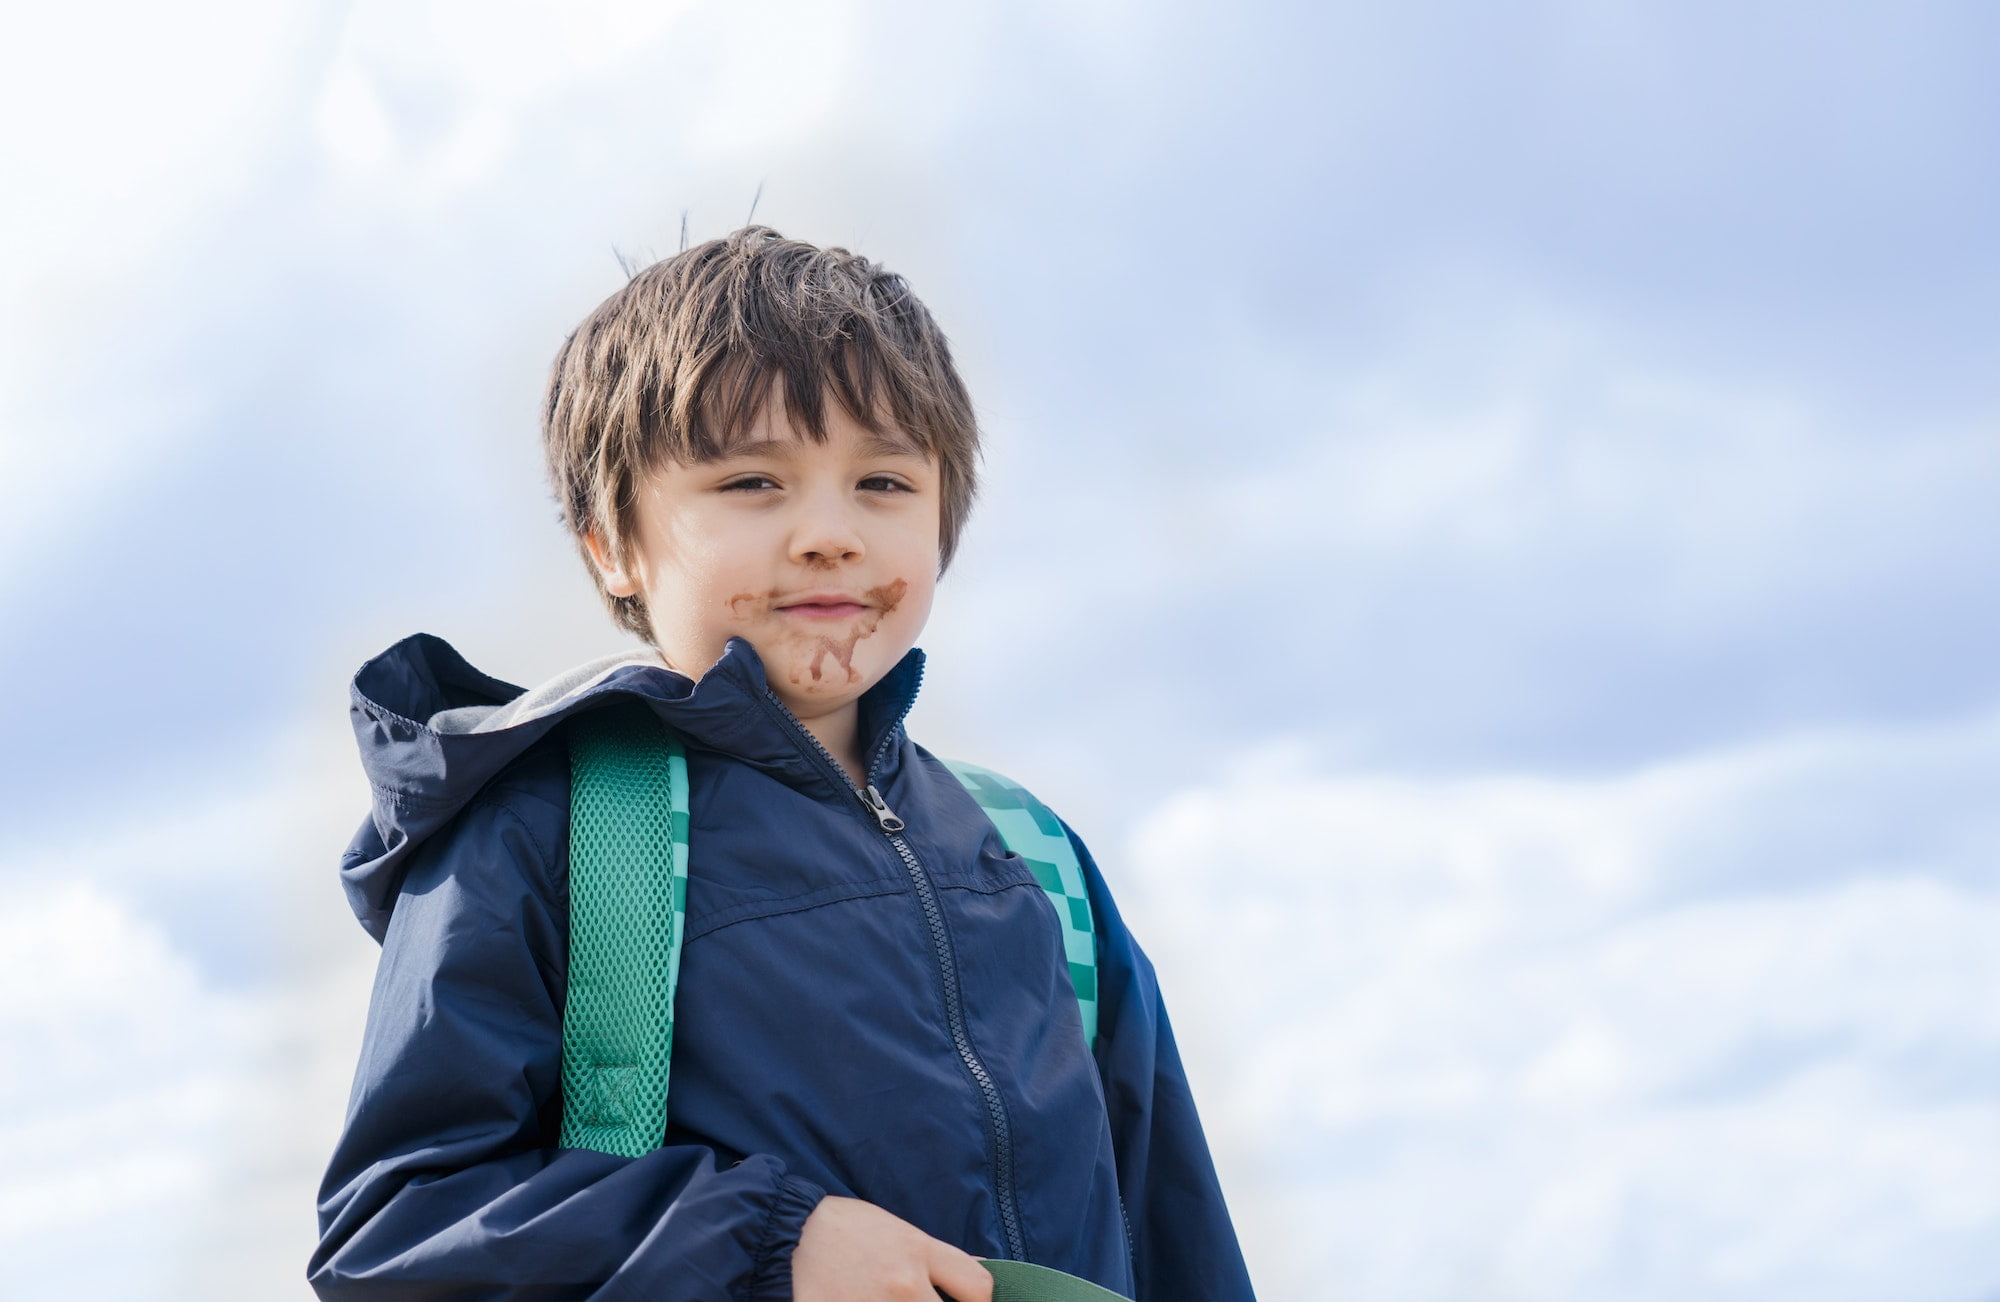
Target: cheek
{"points": [[919, 570], [913, 604], [717, 583], [704, 598]]}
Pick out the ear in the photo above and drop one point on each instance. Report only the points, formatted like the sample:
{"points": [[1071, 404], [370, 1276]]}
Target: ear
{"points": [[619, 580]]}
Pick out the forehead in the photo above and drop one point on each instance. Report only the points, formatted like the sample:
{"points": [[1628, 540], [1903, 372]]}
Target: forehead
{"points": [[771, 431], [869, 444]]}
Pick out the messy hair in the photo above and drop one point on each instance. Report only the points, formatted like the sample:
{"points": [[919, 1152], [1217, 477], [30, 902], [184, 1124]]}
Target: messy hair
{"points": [[677, 365]]}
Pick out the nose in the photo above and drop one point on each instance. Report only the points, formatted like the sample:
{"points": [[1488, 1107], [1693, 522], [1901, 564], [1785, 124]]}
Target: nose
{"points": [[826, 533]]}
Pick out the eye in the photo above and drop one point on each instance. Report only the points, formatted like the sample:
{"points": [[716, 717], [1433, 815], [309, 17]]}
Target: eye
{"points": [[880, 483], [749, 483]]}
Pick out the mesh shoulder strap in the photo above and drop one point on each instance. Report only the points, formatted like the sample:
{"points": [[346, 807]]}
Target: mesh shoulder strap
{"points": [[1031, 830], [628, 844]]}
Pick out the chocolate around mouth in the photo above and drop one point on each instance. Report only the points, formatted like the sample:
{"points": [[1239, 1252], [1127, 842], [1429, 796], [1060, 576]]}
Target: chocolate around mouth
{"points": [[882, 599]]}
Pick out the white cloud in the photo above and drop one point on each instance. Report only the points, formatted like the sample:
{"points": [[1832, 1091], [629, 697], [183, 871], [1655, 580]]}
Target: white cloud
{"points": [[434, 98], [251, 1238], [124, 125], [151, 1101], [120, 1079], [1536, 442], [115, 111], [437, 92], [1578, 1039], [1553, 437]]}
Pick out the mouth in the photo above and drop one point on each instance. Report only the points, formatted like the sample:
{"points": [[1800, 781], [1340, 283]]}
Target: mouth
{"points": [[824, 606]]}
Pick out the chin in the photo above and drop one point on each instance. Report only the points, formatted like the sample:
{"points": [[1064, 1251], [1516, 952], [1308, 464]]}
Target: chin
{"points": [[835, 665], [821, 678]]}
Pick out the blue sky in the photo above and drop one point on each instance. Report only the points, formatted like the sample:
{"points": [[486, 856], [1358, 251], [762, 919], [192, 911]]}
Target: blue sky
{"points": [[1539, 458]]}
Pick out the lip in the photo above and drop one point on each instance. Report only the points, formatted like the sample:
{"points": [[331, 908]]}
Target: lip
{"points": [[824, 605]]}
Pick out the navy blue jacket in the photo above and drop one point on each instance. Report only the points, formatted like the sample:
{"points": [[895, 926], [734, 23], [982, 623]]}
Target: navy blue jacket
{"points": [[847, 1021]]}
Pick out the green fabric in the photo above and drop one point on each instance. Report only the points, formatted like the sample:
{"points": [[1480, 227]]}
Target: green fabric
{"points": [[628, 818], [1032, 831], [1018, 1281]]}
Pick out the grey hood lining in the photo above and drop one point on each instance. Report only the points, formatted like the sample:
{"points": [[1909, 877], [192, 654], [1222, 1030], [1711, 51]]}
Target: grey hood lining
{"points": [[541, 699]]}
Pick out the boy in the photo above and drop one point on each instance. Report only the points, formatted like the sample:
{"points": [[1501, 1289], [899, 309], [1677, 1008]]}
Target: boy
{"points": [[879, 1072]]}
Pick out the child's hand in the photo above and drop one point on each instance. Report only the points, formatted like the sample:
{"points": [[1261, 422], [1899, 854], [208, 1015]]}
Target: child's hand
{"points": [[853, 1251]]}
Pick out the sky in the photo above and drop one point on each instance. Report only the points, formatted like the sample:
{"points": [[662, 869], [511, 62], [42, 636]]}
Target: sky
{"points": [[1487, 528]]}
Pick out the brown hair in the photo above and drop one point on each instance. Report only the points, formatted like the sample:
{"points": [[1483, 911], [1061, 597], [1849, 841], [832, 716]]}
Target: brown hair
{"points": [[677, 364]]}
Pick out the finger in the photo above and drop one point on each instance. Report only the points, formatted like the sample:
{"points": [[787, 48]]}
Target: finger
{"points": [[959, 1275]]}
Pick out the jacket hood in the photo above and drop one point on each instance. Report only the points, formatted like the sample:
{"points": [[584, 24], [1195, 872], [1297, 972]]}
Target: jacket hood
{"points": [[434, 732]]}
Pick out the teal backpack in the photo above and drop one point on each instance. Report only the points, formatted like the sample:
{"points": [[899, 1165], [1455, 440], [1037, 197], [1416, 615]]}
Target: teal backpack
{"points": [[628, 866]]}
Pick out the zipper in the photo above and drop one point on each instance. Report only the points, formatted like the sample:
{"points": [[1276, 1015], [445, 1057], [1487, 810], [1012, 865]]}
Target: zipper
{"points": [[884, 816], [891, 827]]}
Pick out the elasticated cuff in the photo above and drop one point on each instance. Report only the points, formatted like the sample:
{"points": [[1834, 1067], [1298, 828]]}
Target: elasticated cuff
{"points": [[771, 1277]]}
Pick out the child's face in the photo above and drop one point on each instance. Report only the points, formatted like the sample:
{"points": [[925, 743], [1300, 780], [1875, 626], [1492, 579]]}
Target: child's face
{"points": [[824, 556]]}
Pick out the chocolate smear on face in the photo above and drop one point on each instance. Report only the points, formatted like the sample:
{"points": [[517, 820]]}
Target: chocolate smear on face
{"points": [[883, 599]]}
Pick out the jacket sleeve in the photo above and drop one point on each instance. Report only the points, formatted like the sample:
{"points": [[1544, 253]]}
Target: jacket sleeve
{"points": [[447, 1181], [1183, 1243]]}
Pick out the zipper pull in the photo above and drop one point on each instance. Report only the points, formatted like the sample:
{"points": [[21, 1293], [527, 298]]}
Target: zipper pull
{"points": [[880, 808]]}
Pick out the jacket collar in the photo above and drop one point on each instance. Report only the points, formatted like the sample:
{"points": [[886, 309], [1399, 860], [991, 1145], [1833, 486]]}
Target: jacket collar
{"points": [[433, 730]]}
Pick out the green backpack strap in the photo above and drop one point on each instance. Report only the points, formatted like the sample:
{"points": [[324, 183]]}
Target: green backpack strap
{"points": [[628, 820], [1032, 831]]}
